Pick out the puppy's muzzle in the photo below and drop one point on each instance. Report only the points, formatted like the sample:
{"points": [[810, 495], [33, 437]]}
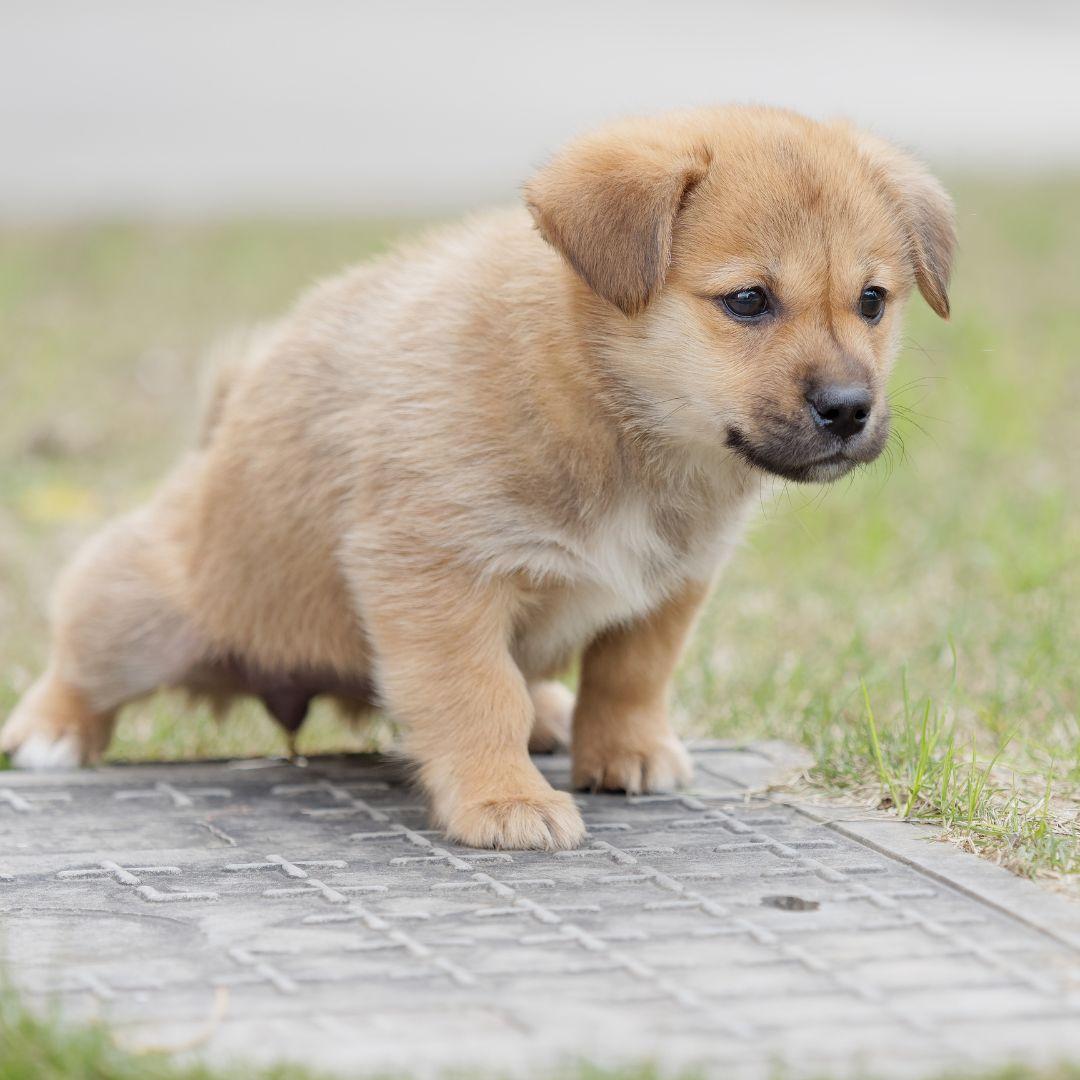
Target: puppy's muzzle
{"points": [[839, 427], [843, 411]]}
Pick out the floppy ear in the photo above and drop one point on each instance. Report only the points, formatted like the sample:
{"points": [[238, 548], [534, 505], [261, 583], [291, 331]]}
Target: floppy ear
{"points": [[608, 204], [928, 216]]}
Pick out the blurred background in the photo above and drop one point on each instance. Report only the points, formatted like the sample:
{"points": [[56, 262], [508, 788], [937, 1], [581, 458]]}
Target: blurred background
{"points": [[171, 170], [123, 107]]}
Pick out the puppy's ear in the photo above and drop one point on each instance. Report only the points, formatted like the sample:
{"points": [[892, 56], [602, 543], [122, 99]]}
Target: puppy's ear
{"points": [[932, 223], [928, 217], [608, 204]]}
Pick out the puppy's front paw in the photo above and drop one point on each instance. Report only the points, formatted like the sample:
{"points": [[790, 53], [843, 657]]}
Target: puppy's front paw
{"points": [[553, 708], [654, 764], [544, 821]]}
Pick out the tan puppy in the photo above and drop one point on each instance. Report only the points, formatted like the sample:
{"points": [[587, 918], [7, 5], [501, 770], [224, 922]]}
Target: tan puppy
{"points": [[450, 471]]}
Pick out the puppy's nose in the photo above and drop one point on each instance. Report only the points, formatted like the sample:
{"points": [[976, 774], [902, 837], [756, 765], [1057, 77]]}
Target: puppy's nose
{"points": [[841, 410]]}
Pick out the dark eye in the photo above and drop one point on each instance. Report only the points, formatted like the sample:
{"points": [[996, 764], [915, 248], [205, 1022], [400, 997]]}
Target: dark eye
{"points": [[872, 303], [747, 303]]}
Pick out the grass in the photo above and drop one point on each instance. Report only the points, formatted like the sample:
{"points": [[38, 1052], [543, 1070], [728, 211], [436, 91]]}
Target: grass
{"points": [[39, 1048], [33, 1047], [924, 767], [916, 628]]}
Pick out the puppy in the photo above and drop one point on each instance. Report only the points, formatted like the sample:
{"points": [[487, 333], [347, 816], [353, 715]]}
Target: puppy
{"points": [[532, 437]]}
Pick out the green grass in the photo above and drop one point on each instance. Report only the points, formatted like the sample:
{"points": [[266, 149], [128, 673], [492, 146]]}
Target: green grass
{"points": [[915, 628], [39, 1048], [925, 767], [33, 1047]]}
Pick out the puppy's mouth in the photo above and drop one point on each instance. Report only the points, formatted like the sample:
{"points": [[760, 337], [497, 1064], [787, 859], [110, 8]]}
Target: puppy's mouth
{"points": [[804, 459]]}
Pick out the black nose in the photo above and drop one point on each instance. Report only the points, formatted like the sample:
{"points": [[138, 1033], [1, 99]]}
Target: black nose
{"points": [[842, 410]]}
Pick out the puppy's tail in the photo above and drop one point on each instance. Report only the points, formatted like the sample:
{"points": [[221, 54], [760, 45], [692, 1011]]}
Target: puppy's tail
{"points": [[226, 364]]}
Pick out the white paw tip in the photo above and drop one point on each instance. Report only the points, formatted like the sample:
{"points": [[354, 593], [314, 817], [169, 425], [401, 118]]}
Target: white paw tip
{"points": [[561, 695], [41, 752], [553, 702]]}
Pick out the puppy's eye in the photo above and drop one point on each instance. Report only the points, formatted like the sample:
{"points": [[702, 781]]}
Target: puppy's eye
{"points": [[747, 303], [872, 303]]}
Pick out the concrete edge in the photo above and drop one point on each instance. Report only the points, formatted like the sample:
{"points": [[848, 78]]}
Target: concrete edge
{"points": [[784, 754], [919, 847]]}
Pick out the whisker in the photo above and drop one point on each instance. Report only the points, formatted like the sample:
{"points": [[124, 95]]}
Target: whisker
{"points": [[908, 340]]}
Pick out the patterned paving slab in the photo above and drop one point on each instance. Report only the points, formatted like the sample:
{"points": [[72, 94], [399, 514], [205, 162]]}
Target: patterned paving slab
{"points": [[267, 910]]}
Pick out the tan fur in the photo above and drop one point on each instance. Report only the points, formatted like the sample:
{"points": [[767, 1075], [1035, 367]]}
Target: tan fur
{"points": [[622, 740], [450, 471]]}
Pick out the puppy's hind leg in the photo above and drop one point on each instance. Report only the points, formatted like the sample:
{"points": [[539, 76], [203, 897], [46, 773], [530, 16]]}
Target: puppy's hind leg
{"points": [[115, 638], [54, 727]]}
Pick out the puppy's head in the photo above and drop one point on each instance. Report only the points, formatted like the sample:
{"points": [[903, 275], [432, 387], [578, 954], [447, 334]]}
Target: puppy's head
{"points": [[750, 268]]}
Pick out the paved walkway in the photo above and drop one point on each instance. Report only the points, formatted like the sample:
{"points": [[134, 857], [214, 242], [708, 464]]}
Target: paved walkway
{"points": [[263, 910]]}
